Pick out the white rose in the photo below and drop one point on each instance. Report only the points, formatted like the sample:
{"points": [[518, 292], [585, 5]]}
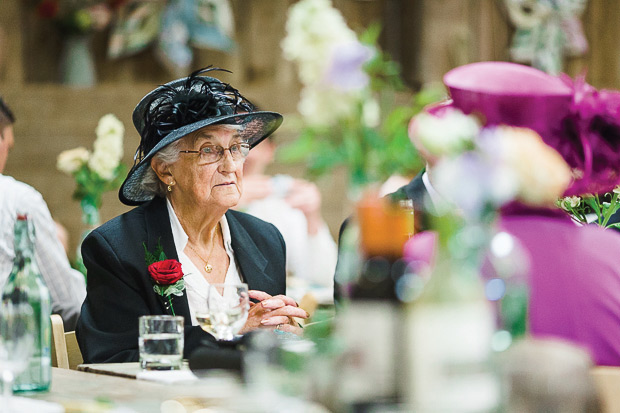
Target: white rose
{"points": [[542, 172], [71, 160], [313, 28], [323, 107], [103, 165], [110, 146], [448, 134], [570, 202], [109, 125], [109, 142], [371, 113]]}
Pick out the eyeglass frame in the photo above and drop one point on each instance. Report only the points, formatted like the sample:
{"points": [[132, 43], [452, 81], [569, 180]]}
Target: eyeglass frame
{"points": [[221, 153]]}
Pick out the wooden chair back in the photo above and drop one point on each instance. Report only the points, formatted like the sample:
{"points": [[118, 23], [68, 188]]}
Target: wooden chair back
{"points": [[66, 353]]}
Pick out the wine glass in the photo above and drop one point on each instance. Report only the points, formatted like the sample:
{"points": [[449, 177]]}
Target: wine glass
{"points": [[226, 310], [17, 329]]}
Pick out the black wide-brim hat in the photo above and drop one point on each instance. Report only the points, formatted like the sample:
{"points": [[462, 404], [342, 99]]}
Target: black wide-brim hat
{"points": [[257, 125]]}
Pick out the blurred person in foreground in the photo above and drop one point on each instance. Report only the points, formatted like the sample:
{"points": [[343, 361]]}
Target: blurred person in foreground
{"points": [[66, 285], [574, 271], [294, 207], [195, 135]]}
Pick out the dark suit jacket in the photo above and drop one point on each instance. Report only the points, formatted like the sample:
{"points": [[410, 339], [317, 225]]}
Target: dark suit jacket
{"points": [[120, 289]]}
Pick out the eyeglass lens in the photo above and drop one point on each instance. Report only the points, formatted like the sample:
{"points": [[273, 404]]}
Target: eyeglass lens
{"points": [[213, 153]]}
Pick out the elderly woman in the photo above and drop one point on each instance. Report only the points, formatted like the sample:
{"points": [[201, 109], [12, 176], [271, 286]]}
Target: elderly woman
{"points": [[195, 135]]}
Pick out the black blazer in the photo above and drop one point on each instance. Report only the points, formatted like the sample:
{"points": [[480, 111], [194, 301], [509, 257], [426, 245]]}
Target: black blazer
{"points": [[120, 289]]}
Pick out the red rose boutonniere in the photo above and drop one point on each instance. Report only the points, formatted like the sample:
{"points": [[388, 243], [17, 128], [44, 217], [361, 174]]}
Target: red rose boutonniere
{"points": [[167, 274]]}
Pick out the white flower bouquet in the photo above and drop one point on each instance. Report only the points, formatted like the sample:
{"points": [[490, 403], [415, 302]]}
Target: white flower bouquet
{"points": [[99, 171], [593, 208], [348, 114]]}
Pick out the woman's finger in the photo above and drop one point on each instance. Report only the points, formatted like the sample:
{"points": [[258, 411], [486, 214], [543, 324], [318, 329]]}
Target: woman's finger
{"points": [[288, 300], [272, 303], [274, 321], [289, 311], [258, 295]]}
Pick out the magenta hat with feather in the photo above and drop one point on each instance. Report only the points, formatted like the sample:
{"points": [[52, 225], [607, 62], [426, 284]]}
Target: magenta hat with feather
{"points": [[581, 123]]}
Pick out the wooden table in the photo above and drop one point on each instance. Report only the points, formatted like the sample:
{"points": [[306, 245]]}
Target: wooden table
{"points": [[607, 380], [80, 391], [88, 391], [127, 370]]}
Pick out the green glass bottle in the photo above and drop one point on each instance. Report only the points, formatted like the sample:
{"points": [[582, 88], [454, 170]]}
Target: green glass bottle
{"points": [[26, 279]]}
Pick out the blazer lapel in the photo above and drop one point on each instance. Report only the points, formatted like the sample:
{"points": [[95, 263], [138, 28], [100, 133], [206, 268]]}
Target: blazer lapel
{"points": [[158, 230], [416, 191], [250, 258]]}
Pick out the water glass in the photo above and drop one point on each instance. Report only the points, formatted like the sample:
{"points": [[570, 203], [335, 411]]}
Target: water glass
{"points": [[17, 329], [161, 342], [226, 310]]}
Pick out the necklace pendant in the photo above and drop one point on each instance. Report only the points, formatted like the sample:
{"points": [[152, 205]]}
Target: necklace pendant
{"points": [[208, 268]]}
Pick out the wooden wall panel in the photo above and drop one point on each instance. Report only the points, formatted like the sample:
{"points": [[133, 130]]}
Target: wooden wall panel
{"points": [[428, 37]]}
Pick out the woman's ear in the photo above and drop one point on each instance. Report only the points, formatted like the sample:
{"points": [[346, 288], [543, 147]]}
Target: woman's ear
{"points": [[162, 170]]}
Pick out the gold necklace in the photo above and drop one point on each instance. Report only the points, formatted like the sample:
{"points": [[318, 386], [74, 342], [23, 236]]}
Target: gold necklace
{"points": [[208, 267]]}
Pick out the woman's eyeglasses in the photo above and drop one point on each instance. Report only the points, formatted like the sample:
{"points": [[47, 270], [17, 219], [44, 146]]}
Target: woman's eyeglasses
{"points": [[213, 153]]}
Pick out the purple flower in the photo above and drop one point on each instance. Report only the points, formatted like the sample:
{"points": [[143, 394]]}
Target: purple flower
{"points": [[594, 124], [345, 70]]}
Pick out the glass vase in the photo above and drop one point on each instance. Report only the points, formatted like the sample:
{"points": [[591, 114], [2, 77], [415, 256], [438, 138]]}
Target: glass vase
{"points": [[91, 220], [77, 64]]}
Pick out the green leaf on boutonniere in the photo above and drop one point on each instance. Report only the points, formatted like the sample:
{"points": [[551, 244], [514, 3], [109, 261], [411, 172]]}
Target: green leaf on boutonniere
{"points": [[159, 254], [148, 257], [172, 289]]}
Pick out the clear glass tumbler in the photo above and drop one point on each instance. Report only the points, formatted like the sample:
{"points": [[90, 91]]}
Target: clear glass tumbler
{"points": [[161, 342]]}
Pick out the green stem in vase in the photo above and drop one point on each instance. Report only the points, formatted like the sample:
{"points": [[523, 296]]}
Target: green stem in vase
{"points": [[90, 211]]}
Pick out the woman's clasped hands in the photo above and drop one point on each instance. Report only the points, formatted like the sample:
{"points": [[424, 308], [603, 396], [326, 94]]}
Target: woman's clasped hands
{"points": [[273, 312]]}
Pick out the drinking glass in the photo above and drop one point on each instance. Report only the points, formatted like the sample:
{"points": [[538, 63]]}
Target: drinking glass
{"points": [[226, 310], [17, 329], [161, 342]]}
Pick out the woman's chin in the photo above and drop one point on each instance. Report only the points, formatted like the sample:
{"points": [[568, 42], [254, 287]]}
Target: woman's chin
{"points": [[228, 198]]}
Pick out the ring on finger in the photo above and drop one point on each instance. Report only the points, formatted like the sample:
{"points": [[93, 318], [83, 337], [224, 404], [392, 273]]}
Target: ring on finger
{"points": [[278, 326]]}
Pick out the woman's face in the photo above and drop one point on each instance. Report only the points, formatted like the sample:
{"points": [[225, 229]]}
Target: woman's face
{"points": [[217, 184]]}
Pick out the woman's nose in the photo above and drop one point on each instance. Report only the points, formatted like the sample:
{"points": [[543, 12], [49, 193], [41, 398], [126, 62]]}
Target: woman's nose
{"points": [[227, 163]]}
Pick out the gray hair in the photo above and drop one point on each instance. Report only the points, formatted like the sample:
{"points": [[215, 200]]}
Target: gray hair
{"points": [[151, 184]]}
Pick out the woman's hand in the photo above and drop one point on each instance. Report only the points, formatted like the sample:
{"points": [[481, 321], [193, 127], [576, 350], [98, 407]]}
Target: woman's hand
{"points": [[273, 312]]}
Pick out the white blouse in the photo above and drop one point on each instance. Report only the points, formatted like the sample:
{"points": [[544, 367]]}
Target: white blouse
{"points": [[196, 286]]}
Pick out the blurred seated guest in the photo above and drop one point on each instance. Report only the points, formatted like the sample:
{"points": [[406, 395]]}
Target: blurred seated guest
{"points": [[574, 271], [63, 236], [67, 287], [294, 207], [195, 135]]}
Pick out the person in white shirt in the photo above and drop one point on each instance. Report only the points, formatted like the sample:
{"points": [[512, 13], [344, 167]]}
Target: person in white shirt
{"points": [[294, 207], [66, 285]]}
